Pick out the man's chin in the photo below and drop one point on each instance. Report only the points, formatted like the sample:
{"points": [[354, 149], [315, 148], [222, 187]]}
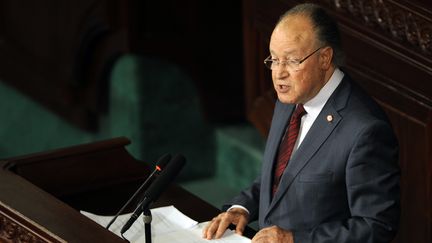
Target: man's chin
{"points": [[286, 100]]}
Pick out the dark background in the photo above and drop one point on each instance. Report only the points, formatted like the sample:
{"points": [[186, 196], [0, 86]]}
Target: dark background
{"points": [[59, 53]]}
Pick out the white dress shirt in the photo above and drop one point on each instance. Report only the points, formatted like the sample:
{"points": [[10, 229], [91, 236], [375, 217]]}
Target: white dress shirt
{"points": [[314, 106]]}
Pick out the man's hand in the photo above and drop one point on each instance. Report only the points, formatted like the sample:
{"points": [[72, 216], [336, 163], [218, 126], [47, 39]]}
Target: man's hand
{"points": [[220, 223], [273, 234]]}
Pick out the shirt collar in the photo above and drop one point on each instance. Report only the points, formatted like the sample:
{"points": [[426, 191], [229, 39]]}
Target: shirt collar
{"points": [[314, 106]]}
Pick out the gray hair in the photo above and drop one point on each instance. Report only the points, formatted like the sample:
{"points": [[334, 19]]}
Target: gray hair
{"points": [[327, 30]]}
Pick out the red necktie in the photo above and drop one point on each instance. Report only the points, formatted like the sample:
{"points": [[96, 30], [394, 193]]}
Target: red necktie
{"points": [[287, 145]]}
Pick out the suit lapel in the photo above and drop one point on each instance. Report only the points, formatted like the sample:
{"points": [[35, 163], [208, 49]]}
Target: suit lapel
{"points": [[316, 136], [281, 117]]}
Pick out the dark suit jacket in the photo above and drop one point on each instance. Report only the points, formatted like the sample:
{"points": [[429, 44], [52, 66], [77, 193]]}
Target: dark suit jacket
{"points": [[342, 184]]}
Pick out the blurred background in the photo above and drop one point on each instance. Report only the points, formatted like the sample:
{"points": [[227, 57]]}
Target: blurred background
{"points": [[168, 75]]}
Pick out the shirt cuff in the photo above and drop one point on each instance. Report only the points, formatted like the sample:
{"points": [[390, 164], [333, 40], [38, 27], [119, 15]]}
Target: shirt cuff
{"points": [[238, 206]]}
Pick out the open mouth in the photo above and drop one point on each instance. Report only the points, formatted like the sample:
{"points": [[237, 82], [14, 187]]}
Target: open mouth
{"points": [[283, 88]]}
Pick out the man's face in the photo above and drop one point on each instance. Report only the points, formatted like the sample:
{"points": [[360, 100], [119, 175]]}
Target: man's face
{"points": [[294, 39]]}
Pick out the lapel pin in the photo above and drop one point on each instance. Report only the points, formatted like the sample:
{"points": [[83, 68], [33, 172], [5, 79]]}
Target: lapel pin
{"points": [[329, 118]]}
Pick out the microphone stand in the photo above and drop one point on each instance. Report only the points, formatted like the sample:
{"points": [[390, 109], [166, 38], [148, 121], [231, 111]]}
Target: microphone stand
{"points": [[147, 217], [161, 163], [144, 185]]}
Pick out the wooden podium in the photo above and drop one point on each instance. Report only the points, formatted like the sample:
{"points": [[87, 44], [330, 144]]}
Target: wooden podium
{"points": [[41, 194]]}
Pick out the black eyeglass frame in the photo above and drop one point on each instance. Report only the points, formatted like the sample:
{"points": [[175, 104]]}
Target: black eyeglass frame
{"points": [[268, 62]]}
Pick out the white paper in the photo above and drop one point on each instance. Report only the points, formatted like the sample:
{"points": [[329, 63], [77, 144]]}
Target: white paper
{"points": [[168, 225], [194, 235]]}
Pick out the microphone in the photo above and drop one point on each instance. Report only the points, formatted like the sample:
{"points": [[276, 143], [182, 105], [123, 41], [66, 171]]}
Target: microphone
{"points": [[160, 165], [159, 185]]}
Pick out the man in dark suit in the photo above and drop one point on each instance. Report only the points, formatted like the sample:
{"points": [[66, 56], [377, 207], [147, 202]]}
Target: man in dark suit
{"points": [[330, 170]]}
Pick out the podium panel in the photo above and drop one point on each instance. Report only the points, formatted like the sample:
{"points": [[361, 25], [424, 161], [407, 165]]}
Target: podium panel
{"points": [[15, 227], [41, 194]]}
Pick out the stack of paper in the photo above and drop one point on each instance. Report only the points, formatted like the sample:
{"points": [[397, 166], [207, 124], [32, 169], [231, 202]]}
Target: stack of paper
{"points": [[168, 225]]}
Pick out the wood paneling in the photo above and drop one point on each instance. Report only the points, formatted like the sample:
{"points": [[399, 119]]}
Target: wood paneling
{"points": [[389, 53], [204, 39], [58, 53], [97, 177]]}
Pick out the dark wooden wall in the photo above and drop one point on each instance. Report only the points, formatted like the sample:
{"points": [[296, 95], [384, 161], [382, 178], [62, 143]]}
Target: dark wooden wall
{"points": [[58, 53], [202, 37], [388, 48]]}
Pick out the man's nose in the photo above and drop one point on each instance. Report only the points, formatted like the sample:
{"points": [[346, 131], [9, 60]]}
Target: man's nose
{"points": [[281, 71]]}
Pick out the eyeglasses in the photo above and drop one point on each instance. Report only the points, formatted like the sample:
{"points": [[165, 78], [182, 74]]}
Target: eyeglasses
{"points": [[293, 65]]}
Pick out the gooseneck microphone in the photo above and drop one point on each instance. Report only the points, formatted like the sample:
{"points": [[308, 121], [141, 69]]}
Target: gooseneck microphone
{"points": [[160, 165], [158, 186]]}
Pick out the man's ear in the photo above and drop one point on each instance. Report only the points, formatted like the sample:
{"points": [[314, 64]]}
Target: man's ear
{"points": [[326, 57]]}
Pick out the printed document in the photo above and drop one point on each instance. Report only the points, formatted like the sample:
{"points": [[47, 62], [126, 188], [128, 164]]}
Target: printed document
{"points": [[168, 225]]}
